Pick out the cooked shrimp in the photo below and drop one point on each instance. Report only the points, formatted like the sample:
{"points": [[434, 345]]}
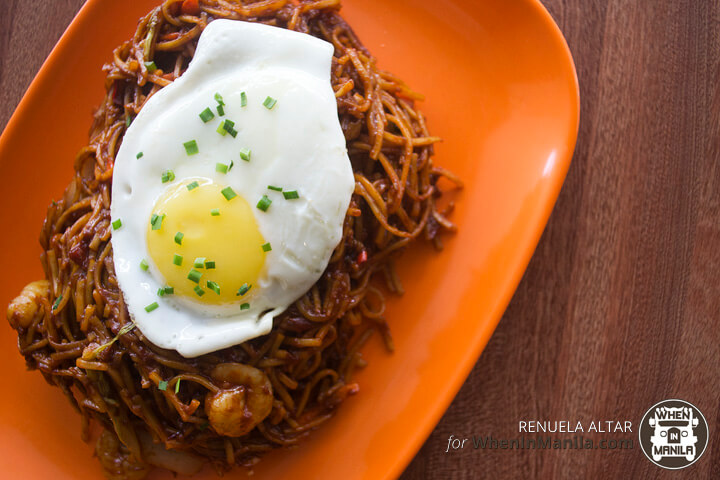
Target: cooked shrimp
{"points": [[243, 402], [22, 310]]}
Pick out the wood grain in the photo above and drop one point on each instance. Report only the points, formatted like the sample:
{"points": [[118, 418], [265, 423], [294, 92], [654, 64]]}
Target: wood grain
{"points": [[620, 306]]}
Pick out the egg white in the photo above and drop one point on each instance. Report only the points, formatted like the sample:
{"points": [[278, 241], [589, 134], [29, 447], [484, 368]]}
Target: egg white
{"points": [[298, 144]]}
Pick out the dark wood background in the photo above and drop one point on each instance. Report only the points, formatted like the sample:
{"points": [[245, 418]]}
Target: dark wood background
{"points": [[620, 306]]}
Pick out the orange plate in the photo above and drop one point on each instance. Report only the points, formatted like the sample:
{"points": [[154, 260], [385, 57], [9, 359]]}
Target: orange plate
{"points": [[501, 91]]}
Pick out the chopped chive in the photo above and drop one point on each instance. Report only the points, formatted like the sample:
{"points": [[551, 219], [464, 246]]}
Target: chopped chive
{"points": [[219, 99], [167, 176], [244, 289], [57, 303], [213, 286], [277, 189], [228, 193], [269, 103], [162, 291], [191, 147], [291, 195], [199, 262], [243, 99], [264, 203], [177, 260], [221, 129], [266, 247], [128, 120], [139, 155], [178, 238], [150, 66], [231, 165], [198, 289], [151, 307], [177, 386], [221, 167], [245, 154], [156, 221], [210, 265], [162, 386], [117, 224], [144, 265], [228, 126], [221, 110], [194, 276], [215, 212], [192, 185], [245, 306], [206, 115]]}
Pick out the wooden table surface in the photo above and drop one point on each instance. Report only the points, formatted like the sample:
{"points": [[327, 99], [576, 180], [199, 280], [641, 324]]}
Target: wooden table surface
{"points": [[620, 306]]}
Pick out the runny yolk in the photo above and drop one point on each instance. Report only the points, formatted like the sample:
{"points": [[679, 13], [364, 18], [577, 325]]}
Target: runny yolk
{"points": [[231, 239]]}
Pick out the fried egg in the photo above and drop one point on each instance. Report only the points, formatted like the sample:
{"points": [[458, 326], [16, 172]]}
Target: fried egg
{"points": [[230, 189]]}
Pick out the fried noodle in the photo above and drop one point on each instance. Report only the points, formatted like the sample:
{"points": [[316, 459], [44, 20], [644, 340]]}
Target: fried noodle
{"points": [[75, 328]]}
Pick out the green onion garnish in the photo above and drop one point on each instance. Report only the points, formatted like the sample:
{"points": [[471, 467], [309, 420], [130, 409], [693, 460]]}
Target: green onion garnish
{"points": [[177, 387], [243, 290], [221, 129], [221, 110], [200, 292], [213, 286], [156, 221], [191, 147], [162, 386], [245, 154], [269, 102], [178, 238], [151, 307], [177, 260], [206, 115], [291, 195], [215, 212], [219, 99], [277, 189], [194, 276], [128, 120], [243, 99], [57, 303], [199, 262], [210, 264], [264, 203], [144, 265], [231, 165], [266, 247], [168, 176], [192, 185], [245, 306], [117, 224], [228, 126], [228, 193], [162, 291], [151, 67], [139, 155], [221, 167]]}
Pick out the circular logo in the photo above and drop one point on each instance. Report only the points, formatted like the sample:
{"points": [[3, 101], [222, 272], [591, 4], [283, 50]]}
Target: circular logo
{"points": [[673, 434]]}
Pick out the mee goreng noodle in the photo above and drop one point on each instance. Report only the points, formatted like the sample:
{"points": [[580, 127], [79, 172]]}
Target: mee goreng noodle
{"points": [[230, 406]]}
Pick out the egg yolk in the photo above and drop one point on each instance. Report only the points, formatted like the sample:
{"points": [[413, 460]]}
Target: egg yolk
{"points": [[199, 228]]}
